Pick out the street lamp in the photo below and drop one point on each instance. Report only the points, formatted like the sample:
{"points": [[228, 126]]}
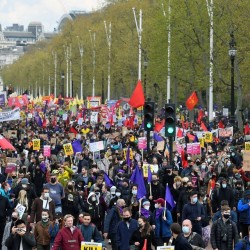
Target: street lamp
{"points": [[232, 53], [62, 76], [145, 63]]}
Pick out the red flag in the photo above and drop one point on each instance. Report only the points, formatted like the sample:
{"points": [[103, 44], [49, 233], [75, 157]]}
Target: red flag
{"points": [[191, 137], [192, 101], [73, 130], [203, 127], [44, 124], [145, 244], [159, 126], [200, 116], [179, 133], [183, 159], [137, 99], [246, 129], [221, 124]]}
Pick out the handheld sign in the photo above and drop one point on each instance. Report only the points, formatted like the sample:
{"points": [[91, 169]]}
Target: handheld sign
{"points": [[68, 149], [36, 144], [91, 246]]}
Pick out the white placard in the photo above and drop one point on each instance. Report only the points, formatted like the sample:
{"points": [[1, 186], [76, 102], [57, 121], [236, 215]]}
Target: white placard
{"points": [[96, 146]]}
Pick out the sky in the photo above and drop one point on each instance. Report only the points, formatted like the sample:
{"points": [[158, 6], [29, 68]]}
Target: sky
{"points": [[48, 12]]}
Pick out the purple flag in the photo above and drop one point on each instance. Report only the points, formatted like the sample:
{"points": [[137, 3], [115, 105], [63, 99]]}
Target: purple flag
{"points": [[76, 145], [137, 178], [157, 137], [128, 161], [149, 175], [108, 181], [169, 198], [39, 121]]}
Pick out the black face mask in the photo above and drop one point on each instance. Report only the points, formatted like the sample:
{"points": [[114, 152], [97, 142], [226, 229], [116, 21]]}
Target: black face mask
{"points": [[13, 219], [189, 188], [53, 180], [13, 177], [168, 171], [140, 225], [239, 188], [127, 219], [226, 216], [70, 187]]}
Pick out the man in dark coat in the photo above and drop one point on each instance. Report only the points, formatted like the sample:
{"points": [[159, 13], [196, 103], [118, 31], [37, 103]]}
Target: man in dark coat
{"points": [[224, 233], [180, 242], [125, 229]]}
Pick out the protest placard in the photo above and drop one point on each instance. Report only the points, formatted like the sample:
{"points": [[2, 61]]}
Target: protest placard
{"points": [[47, 151], [96, 146], [247, 146], [36, 144], [91, 245], [142, 143], [160, 145], [226, 132], [246, 161], [208, 137], [194, 148], [68, 149]]}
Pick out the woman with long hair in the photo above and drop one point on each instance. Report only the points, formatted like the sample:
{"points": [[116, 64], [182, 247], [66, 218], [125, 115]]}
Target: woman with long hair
{"points": [[142, 238], [22, 200]]}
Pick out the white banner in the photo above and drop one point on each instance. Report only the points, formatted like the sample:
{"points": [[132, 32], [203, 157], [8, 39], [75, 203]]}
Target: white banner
{"points": [[10, 115]]}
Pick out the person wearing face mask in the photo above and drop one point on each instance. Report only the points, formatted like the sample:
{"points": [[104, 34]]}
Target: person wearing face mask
{"points": [[133, 202], [7, 229], [244, 212], [125, 190], [125, 229], [41, 231], [20, 237], [95, 209], [42, 203], [175, 191], [113, 217], [194, 211], [56, 192], [143, 237], [224, 233], [146, 213], [157, 191], [168, 177], [223, 193], [192, 237], [183, 197], [186, 172], [70, 201], [65, 174], [163, 220]]}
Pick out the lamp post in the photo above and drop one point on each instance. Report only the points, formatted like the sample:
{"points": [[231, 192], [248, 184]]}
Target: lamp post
{"points": [[232, 53], [145, 63], [62, 76]]}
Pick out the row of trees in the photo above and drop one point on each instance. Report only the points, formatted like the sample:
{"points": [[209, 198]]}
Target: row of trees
{"points": [[189, 50]]}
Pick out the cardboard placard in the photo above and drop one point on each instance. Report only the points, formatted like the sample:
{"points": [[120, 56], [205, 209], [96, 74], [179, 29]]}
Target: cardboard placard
{"points": [[142, 143], [68, 149], [160, 145], [11, 160], [36, 144], [43, 136], [96, 146], [226, 132], [247, 146], [10, 167], [246, 161]]}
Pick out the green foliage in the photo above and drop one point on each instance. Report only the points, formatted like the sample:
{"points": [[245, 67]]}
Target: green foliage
{"points": [[189, 49]]}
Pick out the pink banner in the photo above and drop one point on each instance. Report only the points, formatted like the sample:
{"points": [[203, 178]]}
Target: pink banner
{"points": [[194, 148]]}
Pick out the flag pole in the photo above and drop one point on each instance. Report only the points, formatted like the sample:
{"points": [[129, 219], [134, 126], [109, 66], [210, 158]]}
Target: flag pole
{"points": [[150, 189], [140, 207]]}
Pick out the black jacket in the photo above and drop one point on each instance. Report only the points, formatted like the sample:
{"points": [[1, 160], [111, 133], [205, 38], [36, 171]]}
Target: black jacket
{"points": [[4, 206], [181, 243], [219, 230], [14, 240]]}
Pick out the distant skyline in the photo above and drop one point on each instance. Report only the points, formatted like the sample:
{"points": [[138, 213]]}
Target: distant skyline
{"points": [[48, 12]]}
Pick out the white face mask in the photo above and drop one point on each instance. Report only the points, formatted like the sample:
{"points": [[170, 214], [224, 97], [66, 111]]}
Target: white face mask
{"points": [[118, 194], [46, 195], [146, 207], [134, 192], [156, 206]]}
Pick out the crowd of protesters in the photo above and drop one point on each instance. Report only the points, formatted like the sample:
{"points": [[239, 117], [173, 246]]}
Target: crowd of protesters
{"points": [[65, 200]]}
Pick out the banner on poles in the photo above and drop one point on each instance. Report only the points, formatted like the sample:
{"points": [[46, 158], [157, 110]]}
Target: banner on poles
{"points": [[36, 144], [68, 149], [10, 115]]}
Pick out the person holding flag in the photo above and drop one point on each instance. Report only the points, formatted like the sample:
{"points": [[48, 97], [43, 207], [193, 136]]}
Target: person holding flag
{"points": [[163, 221]]}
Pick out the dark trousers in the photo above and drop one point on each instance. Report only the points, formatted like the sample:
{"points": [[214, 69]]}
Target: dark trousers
{"points": [[113, 241], [42, 247], [2, 226]]}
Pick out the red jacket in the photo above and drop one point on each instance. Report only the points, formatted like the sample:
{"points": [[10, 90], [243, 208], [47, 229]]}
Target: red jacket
{"points": [[68, 240]]}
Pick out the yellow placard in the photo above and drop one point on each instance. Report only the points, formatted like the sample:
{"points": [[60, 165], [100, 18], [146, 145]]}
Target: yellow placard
{"points": [[131, 155], [246, 161], [145, 169], [36, 144], [202, 142], [208, 137], [68, 149], [91, 246], [247, 146]]}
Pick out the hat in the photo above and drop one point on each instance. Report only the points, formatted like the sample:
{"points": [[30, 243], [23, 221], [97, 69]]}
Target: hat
{"points": [[112, 189], [161, 201], [25, 181], [145, 202]]}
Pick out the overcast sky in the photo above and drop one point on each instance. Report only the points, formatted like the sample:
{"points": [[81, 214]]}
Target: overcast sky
{"points": [[48, 12]]}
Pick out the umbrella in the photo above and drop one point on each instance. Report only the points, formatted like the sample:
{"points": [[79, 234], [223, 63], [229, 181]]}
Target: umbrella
{"points": [[5, 144]]}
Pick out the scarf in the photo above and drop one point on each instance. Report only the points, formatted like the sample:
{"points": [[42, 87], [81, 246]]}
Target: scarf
{"points": [[145, 212], [158, 212]]}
